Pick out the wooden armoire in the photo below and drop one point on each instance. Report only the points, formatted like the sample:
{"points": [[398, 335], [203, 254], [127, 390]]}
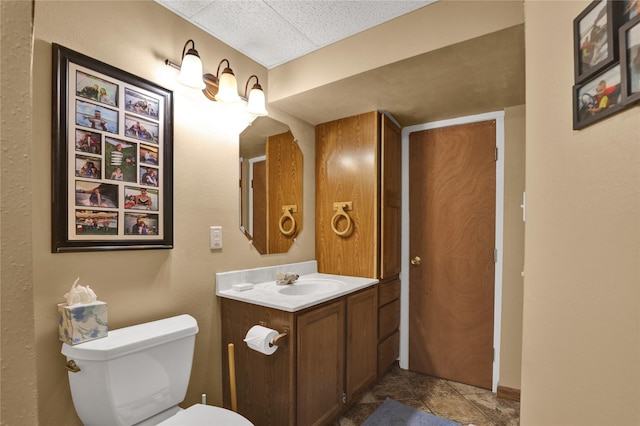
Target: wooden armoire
{"points": [[358, 213]]}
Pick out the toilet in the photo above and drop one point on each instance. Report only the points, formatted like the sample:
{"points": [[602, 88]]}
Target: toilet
{"points": [[138, 375]]}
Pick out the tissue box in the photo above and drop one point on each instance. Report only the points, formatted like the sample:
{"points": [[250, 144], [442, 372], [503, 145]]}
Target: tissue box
{"points": [[81, 323]]}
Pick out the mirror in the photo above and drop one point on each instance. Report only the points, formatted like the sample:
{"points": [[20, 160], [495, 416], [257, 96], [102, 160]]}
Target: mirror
{"points": [[270, 185]]}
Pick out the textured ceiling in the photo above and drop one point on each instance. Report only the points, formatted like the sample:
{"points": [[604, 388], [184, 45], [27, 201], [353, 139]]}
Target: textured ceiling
{"points": [[272, 32]]}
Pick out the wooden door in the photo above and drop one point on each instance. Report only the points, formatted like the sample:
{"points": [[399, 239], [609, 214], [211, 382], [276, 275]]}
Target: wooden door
{"points": [[320, 364], [452, 188], [362, 341]]}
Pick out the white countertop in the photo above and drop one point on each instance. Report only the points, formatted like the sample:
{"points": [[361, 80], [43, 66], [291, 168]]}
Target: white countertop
{"points": [[265, 292]]}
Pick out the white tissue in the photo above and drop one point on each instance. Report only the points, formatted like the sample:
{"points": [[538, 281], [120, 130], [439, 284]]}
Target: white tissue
{"points": [[259, 339], [79, 294]]}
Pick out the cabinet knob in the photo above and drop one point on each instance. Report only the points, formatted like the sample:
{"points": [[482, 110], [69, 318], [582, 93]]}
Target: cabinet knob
{"points": [[416, 261]]}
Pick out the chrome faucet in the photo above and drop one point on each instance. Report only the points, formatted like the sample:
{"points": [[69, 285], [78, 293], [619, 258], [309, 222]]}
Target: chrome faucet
{"points": [[283, 278]]}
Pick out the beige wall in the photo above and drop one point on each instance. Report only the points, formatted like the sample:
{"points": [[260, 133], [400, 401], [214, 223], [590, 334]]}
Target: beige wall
{"points": [[581, 339], [18, 384], [513, 249], [137, 285]]}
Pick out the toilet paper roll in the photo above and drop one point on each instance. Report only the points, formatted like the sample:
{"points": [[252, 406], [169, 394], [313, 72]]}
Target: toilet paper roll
{"points": [[259, 339]]}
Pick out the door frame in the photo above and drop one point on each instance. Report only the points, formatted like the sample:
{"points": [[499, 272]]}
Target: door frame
{"points": [[252, 161], [498, 116]]}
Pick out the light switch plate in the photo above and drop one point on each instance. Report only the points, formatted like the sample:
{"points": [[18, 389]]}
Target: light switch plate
{"points": [[215, 237]]}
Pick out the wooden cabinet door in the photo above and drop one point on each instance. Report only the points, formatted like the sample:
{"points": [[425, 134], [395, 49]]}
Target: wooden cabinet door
{"points": [[320, 364], [347, 171], [362, 341], [265, 385], [390, 198], [284, 188]]}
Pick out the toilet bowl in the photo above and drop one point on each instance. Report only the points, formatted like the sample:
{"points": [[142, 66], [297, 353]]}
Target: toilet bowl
{"points": [[138, 375]]}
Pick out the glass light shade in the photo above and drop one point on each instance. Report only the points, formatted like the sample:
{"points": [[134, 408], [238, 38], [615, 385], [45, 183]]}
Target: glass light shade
{"points": [[191, 72], [256, 105], [227, 88]]}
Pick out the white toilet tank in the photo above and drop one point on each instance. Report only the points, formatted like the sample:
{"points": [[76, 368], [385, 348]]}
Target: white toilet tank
{"points": [[134, 373]]}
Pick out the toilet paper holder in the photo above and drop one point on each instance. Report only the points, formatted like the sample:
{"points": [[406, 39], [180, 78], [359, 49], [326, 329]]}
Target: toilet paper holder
{"points": [[281, 339]]}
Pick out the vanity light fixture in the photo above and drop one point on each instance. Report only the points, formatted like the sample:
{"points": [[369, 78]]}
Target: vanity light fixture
{"points": [[221, 87], [191, 68], [227, 84], [255, 100]]}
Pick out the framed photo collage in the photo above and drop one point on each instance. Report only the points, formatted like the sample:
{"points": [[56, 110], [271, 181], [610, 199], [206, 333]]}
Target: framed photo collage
{"points": [[112, 158]]}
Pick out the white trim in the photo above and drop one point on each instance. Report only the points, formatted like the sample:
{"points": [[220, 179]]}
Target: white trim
{"points": [[404, 273], [252, 162]]}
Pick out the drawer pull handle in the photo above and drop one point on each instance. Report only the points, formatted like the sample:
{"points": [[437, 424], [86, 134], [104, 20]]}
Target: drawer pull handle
{"points": [[341, 213], [287, 210]]}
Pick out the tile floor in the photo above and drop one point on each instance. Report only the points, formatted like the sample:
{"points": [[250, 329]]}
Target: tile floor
{"points": [[454, 401]]}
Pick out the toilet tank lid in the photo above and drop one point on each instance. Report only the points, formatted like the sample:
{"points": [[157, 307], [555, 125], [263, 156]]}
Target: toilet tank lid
{"points": [[134, 338]]}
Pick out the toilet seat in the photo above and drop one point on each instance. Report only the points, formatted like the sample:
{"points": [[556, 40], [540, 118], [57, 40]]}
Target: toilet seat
{"points": [[206, 415]]}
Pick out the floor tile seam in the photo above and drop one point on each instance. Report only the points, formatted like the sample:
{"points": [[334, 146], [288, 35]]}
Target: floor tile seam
{"points": [[484, 417], [500, 412]]}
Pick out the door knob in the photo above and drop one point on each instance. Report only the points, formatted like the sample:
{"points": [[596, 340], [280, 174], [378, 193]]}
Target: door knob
{"points": [[416, 261]]}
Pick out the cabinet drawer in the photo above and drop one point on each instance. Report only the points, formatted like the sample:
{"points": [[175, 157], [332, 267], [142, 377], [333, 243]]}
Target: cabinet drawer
{"points": [[388, 291], [388, 319], [388, 351]]}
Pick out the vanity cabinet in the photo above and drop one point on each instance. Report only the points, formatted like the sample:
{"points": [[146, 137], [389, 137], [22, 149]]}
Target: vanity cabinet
{"points": [[329, 359], [359, 170]]}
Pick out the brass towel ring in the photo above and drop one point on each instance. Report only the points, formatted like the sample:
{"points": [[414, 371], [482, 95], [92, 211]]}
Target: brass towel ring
{"points": [[341, 213], [287, 210]]}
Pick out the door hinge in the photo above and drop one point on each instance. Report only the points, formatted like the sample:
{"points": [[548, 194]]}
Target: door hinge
{"points": [[495, 156], [344, 397], [493, 358], [495, 255]]}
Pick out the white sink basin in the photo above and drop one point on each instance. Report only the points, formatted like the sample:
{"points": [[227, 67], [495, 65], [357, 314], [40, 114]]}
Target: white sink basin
{"points": [[310, 287]]}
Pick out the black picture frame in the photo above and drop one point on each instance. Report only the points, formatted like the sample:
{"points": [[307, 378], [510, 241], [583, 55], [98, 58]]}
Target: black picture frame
{"points": [[630, 60], [91, 147], [587, 108], [595, 38]]}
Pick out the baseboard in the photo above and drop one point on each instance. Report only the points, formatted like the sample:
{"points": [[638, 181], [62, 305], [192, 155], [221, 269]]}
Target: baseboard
{"points": [[509, 393]]}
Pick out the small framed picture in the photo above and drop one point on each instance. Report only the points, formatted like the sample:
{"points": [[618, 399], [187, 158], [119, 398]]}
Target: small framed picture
{"points": [[138, 198], [595, 38], [630, 60], [598, 98], [96, 89], [88, 167], [96, 117], [140, 129], [96, 194], [96, 223], [90, 142], [141, 104]]}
